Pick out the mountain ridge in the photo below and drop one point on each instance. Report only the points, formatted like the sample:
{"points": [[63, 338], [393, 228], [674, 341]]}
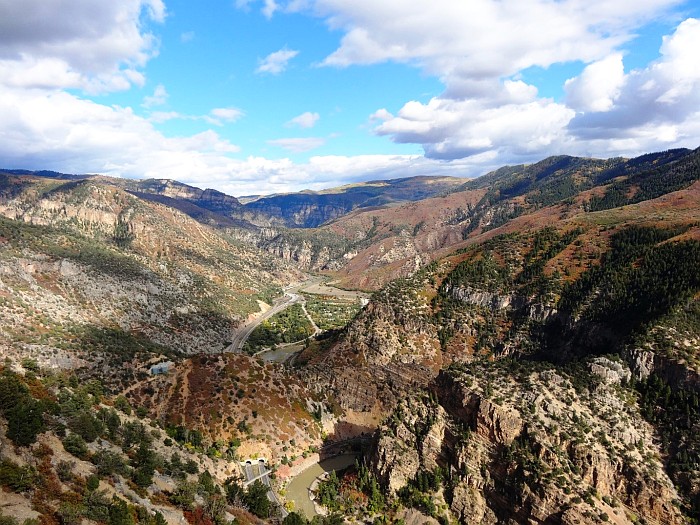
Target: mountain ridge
{"points": [[531, 352]]}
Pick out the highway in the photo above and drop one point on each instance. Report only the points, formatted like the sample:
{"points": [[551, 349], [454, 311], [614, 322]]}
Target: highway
{"points": [[291, 296], [257, 470], [241, 334]]}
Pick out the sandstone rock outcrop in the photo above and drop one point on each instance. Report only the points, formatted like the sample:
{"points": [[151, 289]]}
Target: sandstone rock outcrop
{"points": [[528, 449]]}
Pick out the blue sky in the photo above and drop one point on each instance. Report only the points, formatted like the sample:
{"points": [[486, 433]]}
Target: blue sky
{"points": [[262, 96]]}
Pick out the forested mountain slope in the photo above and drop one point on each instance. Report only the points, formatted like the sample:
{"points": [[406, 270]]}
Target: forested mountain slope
{"points": [[367, 248]]}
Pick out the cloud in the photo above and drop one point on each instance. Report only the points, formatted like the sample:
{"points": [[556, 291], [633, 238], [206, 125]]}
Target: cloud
{"points": [[258, 175], [514, 122], [484, 39], [606, 112], [654, 107], [159, 97], [598, 86], [298, 145], [216, 117], [64, 132], [275, 63], [94, 45], [486, 117], [187, 36], [305, 120], [478, 49], [269, 8], [77, 135]]}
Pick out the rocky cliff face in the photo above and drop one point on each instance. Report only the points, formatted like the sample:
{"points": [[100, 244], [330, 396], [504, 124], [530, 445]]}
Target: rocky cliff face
{"points": [[523, 444], [209, 199], [389, 349]]}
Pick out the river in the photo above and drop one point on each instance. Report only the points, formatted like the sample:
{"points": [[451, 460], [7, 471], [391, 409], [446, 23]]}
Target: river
{"points": [[298, 488]]}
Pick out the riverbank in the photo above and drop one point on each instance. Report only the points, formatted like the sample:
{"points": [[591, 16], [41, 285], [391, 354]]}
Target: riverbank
{"points": [[299, 490]]}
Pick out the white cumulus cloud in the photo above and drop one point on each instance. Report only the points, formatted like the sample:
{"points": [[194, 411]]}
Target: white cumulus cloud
{"points": [[275, 63], [305, 120], [478, 48], [514, 122], [598, 86], [94, 45], [655, 107]]}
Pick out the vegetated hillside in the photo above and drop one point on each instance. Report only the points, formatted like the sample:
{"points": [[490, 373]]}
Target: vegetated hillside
{"points": [[93, 276], [209, 206], [367, 248], [70, 454], [211, 200], [232, 397], [557, 286], [308, 209]]}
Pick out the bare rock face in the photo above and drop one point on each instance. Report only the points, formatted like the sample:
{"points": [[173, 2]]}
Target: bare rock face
{"points": [[396, 465], [412, 441], [469, 505], [524, 446], [646, 361], [610, 371], [496, 301], [496, 423], [390, 349], [500, 425]]}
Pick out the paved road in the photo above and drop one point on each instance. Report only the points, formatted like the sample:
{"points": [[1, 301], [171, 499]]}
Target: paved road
{"points": [[291, 296], [241, 335], [257, 470]]}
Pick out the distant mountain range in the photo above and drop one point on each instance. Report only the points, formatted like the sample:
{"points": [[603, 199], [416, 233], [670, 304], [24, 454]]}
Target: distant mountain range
{"points": [[306, 209], [530, 354]]}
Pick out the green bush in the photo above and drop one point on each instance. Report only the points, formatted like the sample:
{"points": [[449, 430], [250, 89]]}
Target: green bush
{"points": [[74, 444], [109, 463], [86, 426], [121, 404], [16, 478], [25, 415]]}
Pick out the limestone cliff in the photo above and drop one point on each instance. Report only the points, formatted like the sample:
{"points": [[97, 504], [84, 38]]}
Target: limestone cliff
{"points": [[525, 443]]}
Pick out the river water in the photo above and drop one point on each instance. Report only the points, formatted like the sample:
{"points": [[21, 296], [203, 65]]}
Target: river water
{"points": [[298, 488]]}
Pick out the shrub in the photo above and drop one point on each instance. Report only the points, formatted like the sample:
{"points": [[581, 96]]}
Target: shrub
{"points": [[74, 444], [16, 478], [108, 463], [121, 404], [25, 421]]}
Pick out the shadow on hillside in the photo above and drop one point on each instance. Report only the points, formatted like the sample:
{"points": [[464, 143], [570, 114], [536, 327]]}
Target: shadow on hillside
{"points": [[347, 438]]}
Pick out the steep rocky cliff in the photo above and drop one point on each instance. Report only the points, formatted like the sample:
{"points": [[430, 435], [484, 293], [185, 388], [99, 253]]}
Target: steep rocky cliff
{"points": [[527, 443], [560, 295]]}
